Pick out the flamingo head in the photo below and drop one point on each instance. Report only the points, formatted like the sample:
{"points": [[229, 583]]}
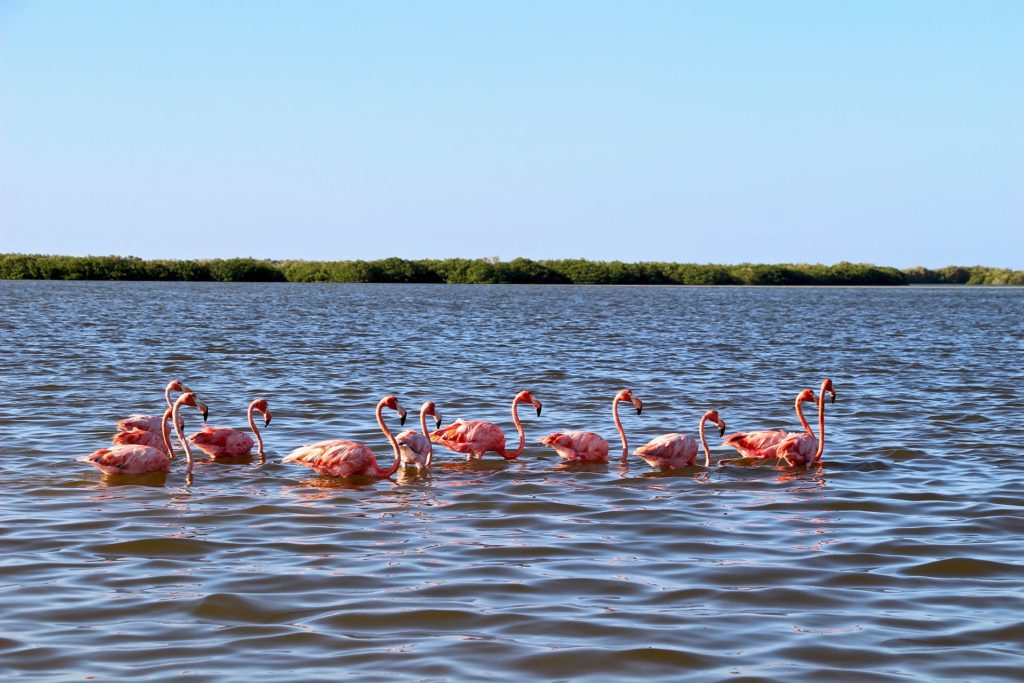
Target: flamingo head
{"points": [[627, 395], [712, 416], [827, 386], [260, 404], [176, 385], [428, 408], [527, 397], [190, 399], [805, 396], [391, 401]]}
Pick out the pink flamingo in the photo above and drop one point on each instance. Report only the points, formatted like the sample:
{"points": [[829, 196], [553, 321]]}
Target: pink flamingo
{"points": [[765, 444], [340, 458], [805, 449], [476, 437], [226, 442], [140, 458], [140, 437], [150, 423], [588, 446], [415, 447], [672, 451]]}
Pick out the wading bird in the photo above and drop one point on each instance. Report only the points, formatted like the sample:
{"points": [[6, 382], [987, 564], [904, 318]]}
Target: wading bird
{"points": [[227, 442], [476, 437], [588, 446], [151, 423], [671, 451], [415, 447], [341, 458]]}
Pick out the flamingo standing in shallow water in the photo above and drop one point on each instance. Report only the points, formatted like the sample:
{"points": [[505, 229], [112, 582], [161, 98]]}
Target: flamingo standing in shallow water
{"points": [[805, 449], [141, 458], [476, 437], [227, 442], [765, 444], [415, 447], [341, 458], [588, 446], [150, 423], [672, 451]]}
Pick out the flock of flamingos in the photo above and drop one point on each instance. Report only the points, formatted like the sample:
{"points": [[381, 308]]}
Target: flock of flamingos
{"points": [[143, 442]]}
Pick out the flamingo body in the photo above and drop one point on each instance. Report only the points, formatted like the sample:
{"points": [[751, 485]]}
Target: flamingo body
{"points": [[130, 459], [222, 442], [139, 437], [472, 437], [670, 451], [760, 445], [337, 458], [798, 449], [578, 446], [414, 448]]}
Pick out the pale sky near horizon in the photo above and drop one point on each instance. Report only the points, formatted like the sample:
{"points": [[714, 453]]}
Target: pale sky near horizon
{"points": [[722, 132]]}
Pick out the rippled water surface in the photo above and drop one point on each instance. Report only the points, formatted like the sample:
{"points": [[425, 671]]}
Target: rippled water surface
{"points": [[898, 558]]}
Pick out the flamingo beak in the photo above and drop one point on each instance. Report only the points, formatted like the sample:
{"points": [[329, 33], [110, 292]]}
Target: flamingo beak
{"points": [[833, 396], [401, 416], [536, 404], [639, 405], [437, 420], [266, 419], [204, 410], [721, 430]]}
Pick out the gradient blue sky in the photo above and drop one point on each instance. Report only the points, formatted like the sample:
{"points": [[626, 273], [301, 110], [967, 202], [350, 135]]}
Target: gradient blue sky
{"points": [[887, 132]]}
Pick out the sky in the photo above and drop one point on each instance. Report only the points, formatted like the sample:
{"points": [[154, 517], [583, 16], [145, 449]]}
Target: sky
{"points": [[721, 132]]}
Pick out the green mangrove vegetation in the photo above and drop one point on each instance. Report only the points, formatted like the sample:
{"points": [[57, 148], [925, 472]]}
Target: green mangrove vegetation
{"points": [[488, 271]]}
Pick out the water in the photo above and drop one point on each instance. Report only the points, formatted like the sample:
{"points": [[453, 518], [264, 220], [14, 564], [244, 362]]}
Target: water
{"points": [[898, 558]]}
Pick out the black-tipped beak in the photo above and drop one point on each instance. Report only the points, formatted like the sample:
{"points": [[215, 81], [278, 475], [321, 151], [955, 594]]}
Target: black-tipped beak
{"points": [[538, 411], [206, 414], [721, 431], [401, 418], [833, 398], [639, 409], [437, 421], [266, 420]]}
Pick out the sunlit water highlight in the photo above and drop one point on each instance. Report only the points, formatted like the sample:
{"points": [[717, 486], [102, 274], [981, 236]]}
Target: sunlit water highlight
{"points": [[899, 558]]}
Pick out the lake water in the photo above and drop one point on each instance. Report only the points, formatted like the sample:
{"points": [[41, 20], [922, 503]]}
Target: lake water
{"points": [[898, 558]]}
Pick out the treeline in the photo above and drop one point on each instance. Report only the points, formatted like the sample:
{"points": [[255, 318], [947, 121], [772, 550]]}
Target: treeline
{"points": [[486, 271]]}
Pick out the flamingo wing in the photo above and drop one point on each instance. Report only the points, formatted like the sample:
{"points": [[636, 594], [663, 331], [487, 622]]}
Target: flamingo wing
{"points": [[130, 459], [470, 436], [139, 437], [798, 448], [669, 451], [222, 442], [578, 446], [762, 444], [335, 458]]}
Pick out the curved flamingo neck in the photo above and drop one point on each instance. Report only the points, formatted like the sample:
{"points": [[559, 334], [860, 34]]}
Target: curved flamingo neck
{"points": [[167, 394], [519, 428], [821, 424], [430, 445], [165, 431], [381, 472], [178, 423], [800, 416], [703, 440], [252, 426], [618, 426]]}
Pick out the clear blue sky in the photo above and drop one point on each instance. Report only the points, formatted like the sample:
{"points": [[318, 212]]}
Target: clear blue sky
{"points": [[887, 132]]}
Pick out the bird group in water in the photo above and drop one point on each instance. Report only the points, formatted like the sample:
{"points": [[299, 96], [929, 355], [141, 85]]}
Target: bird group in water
{"points": [[143, 443]]}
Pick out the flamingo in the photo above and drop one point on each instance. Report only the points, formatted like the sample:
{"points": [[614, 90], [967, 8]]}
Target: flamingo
{"points": [[415, 447], [588, 446], [226, 442], [341, 458], [765, 444], [150, 423], [476, 437], [672, 451], [805, 449], [141, 458]]}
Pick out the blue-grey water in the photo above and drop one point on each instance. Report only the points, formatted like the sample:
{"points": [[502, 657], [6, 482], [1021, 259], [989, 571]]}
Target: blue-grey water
{"points": [[899, 557]]}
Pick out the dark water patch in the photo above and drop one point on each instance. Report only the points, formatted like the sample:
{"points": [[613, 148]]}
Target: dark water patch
{"points": [[965, 567]]}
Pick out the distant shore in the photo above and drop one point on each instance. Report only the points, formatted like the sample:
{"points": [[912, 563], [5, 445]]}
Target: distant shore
{"points": [[490, 271]]}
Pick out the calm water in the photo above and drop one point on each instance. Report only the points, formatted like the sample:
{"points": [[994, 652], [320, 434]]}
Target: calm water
{"points": [[899, 558]]}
